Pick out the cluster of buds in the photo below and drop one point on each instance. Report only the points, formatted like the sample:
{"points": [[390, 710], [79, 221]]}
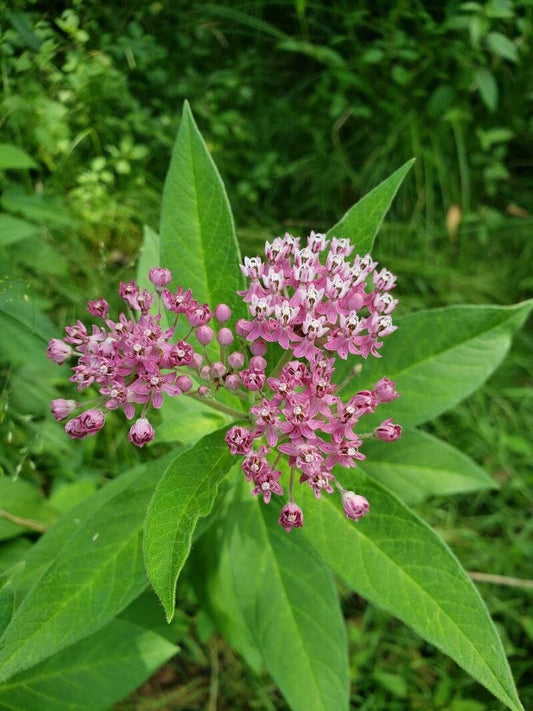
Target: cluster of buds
{"points": [[134, 361], [314, 304], [310, 300]]}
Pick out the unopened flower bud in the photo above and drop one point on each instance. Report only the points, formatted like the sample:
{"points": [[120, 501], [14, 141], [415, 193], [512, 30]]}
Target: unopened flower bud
{"points": [[184, 383], [385, 390], [88, 423], [258, 363], [218, 369], [141, 432], [222, 313], [205, 372], [241, 327], [387, 431], [58, 351], [61, 408], [354, 506], [291, 516], [204, 391], [205, 335], [232, 382], [258, 347], [236, 360], [160, 277], [225, 337], [197, 360]]}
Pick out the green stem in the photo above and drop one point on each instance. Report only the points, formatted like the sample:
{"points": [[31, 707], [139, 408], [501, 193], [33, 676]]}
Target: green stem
{"points": [[285, 358], [238, 414]]}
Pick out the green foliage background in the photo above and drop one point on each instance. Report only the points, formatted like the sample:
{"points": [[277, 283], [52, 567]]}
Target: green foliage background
{"points": [[305, 107]]}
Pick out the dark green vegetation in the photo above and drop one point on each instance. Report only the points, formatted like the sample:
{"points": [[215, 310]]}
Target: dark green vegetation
{"points": [[305, 107]]}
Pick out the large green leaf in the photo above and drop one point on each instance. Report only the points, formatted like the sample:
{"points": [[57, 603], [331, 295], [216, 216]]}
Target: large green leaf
{"points": [[185, 493], [185, 420], [92, 674], [438, 357], [362, 221], [198, 242], [419, 465], [94, 574], [291, 606], [395, 560]]}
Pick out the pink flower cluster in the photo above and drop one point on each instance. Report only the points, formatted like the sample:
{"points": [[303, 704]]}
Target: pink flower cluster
{"points": [[134, 361], [304, 419], [310, 298], [315, 305]]}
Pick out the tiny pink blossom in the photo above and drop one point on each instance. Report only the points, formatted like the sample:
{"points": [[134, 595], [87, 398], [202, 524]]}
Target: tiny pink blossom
{"points": [[354, 506], [239, 440], [141, 432], [291, 516], [385, 390], [99, 308], [267, 483], [88, 423], [387, 431]]}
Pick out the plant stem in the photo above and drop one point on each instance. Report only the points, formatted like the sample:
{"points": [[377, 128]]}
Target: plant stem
{"points": [[238, 414], [24, 522], [285, 358]]}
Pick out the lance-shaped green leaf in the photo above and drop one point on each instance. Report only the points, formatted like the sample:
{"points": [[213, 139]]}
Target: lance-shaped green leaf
{"points": [[419, 465], [185, 493], [438, 357], [362, 221], [395, 560], [92, 674], [291, 606], [94, 574], [198, 242]]}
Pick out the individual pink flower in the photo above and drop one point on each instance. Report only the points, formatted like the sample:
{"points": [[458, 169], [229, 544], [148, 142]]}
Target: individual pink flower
{"points": [[354, 506], [239, 440], [267, 483], [99, 308], [291, 516], [387, 431], [141, 432]]}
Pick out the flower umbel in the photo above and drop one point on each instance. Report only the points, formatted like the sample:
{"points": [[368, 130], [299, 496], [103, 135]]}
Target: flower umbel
{"points": [[312, 300]]}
